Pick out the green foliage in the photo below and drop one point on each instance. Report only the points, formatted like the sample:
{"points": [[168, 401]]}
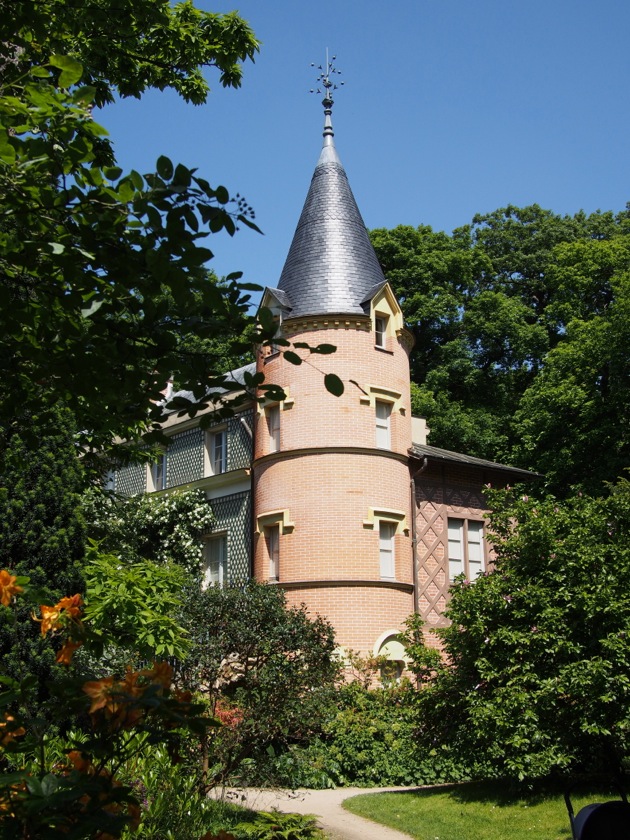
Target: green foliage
{"points": [[102, 271], [163, 528], [520, 321], [266, 668], [277, 826], [370, 739], [173, 807], [42, 532], [538, 679], [61, 750], [134, 605], [128, 47]]}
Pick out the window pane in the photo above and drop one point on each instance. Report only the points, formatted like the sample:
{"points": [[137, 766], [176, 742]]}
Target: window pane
{"points": [[455, 547], [215, 557], [387, 530], [383, 415], [475, 549], [219, 452], [273, 426], [380, 331], [272, 538]]}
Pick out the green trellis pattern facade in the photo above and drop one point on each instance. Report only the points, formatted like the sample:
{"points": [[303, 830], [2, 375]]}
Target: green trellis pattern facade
{"points": [[131, 480], [185, 456], [233, 514]]}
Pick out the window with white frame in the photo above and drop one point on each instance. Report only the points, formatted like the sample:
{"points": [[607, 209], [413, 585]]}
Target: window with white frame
{"points": [[218, 451], [383, 424], [465, 548], [158, 472], [215, 561], [272, 415], [386, 534], [380, 331], [272, 541]]}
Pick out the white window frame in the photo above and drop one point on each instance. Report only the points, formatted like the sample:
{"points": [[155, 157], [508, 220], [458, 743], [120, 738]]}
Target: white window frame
{"points": [[465, 547], [387, 548], [272, 418], [159, 472], [380, 330], [218, 465], [383, 420], [216, 543], [272, 543]]}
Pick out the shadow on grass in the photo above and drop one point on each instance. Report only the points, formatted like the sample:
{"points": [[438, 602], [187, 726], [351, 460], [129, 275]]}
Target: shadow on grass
{"points": [[503, 793]]}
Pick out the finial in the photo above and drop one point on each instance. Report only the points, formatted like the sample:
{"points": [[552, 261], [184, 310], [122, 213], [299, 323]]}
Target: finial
{"points": [[328, 85]]}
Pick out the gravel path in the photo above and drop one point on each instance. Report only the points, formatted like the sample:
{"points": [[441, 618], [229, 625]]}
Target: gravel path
{"points": [[325, 805]]}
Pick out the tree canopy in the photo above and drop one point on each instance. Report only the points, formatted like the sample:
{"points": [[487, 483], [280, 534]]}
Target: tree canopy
{"points": [[522, 350], [538, 678], [103, 277]]}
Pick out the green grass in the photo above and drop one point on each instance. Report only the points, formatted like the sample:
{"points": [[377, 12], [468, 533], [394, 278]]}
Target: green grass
{"points": [[478, 811]]}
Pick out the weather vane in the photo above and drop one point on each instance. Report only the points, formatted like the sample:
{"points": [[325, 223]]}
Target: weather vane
{"points": [[326, 81]]}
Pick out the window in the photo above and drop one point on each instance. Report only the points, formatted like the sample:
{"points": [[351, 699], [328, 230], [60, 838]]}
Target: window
{"points": [[386, 533], [383, 430], [465, 548], [215, 561], [158, 472], [272, 413], [218, 452], [272, 539], [380, 331]]}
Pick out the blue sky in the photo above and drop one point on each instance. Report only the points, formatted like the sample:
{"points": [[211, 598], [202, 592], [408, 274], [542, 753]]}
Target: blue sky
{"points": [[449, 108]]}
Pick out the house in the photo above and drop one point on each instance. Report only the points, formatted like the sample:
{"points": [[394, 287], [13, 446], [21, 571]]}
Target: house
{"points": [[339, 500]]}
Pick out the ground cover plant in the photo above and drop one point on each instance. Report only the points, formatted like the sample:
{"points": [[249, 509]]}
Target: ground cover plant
{"points": [[476, 811]]}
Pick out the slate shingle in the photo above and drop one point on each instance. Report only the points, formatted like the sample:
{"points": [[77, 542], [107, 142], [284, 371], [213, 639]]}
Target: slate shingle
{"points": [[331, 266]]}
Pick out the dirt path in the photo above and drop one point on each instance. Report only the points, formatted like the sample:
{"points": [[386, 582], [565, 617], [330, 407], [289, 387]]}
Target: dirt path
{"points": [[326, 806]]}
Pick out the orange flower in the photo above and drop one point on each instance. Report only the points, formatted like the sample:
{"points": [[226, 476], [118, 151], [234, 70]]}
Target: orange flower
{"points": [[50, 618], [71, 605], [64, 657], [83, 765], [130, 684], [8, 587], [161, 673], [100, 692], [9, 734]]}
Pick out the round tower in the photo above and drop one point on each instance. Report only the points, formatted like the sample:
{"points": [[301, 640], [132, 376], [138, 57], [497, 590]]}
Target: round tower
{"points": [[332, 513]]}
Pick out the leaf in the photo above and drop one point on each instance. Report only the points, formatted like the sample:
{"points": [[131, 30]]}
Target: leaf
{"points": [[248, 222], [333, 384], [293, 358], [84, 95], [94, 306], [324, 349], [71, 69], [222, 195], [164, 167]]}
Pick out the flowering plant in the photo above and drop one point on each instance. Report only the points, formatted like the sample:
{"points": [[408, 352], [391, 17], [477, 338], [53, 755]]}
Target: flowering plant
{"points": [[80, 795]]}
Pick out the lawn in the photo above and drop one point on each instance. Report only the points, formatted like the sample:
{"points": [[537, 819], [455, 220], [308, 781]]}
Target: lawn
{"points": [[478, 811]]}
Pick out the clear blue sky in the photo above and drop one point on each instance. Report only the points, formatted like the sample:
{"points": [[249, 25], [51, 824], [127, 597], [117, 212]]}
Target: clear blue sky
{"points": [[450, 108]]}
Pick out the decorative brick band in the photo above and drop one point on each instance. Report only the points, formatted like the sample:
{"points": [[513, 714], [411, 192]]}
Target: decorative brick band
{"points": [[335, 450], [334, 584]]}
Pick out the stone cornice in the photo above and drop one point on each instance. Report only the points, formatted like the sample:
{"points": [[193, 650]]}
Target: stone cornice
{"points": [[329, 450], [329, 584]]}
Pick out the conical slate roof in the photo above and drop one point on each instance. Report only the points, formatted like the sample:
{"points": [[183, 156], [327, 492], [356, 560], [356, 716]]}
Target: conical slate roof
{"points": [[331, 267]]}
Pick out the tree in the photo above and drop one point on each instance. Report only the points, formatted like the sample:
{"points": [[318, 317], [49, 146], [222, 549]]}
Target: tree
{"points": [[42, 532], [538, 679], [494, 309], [264, 668], [102, 271]]}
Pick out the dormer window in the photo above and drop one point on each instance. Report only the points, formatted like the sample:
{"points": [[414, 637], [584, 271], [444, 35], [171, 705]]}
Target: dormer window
{"points": [[380, 331]]}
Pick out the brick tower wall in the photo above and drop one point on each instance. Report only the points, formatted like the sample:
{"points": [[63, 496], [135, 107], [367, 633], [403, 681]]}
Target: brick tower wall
{"points": [[331, 482]]}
